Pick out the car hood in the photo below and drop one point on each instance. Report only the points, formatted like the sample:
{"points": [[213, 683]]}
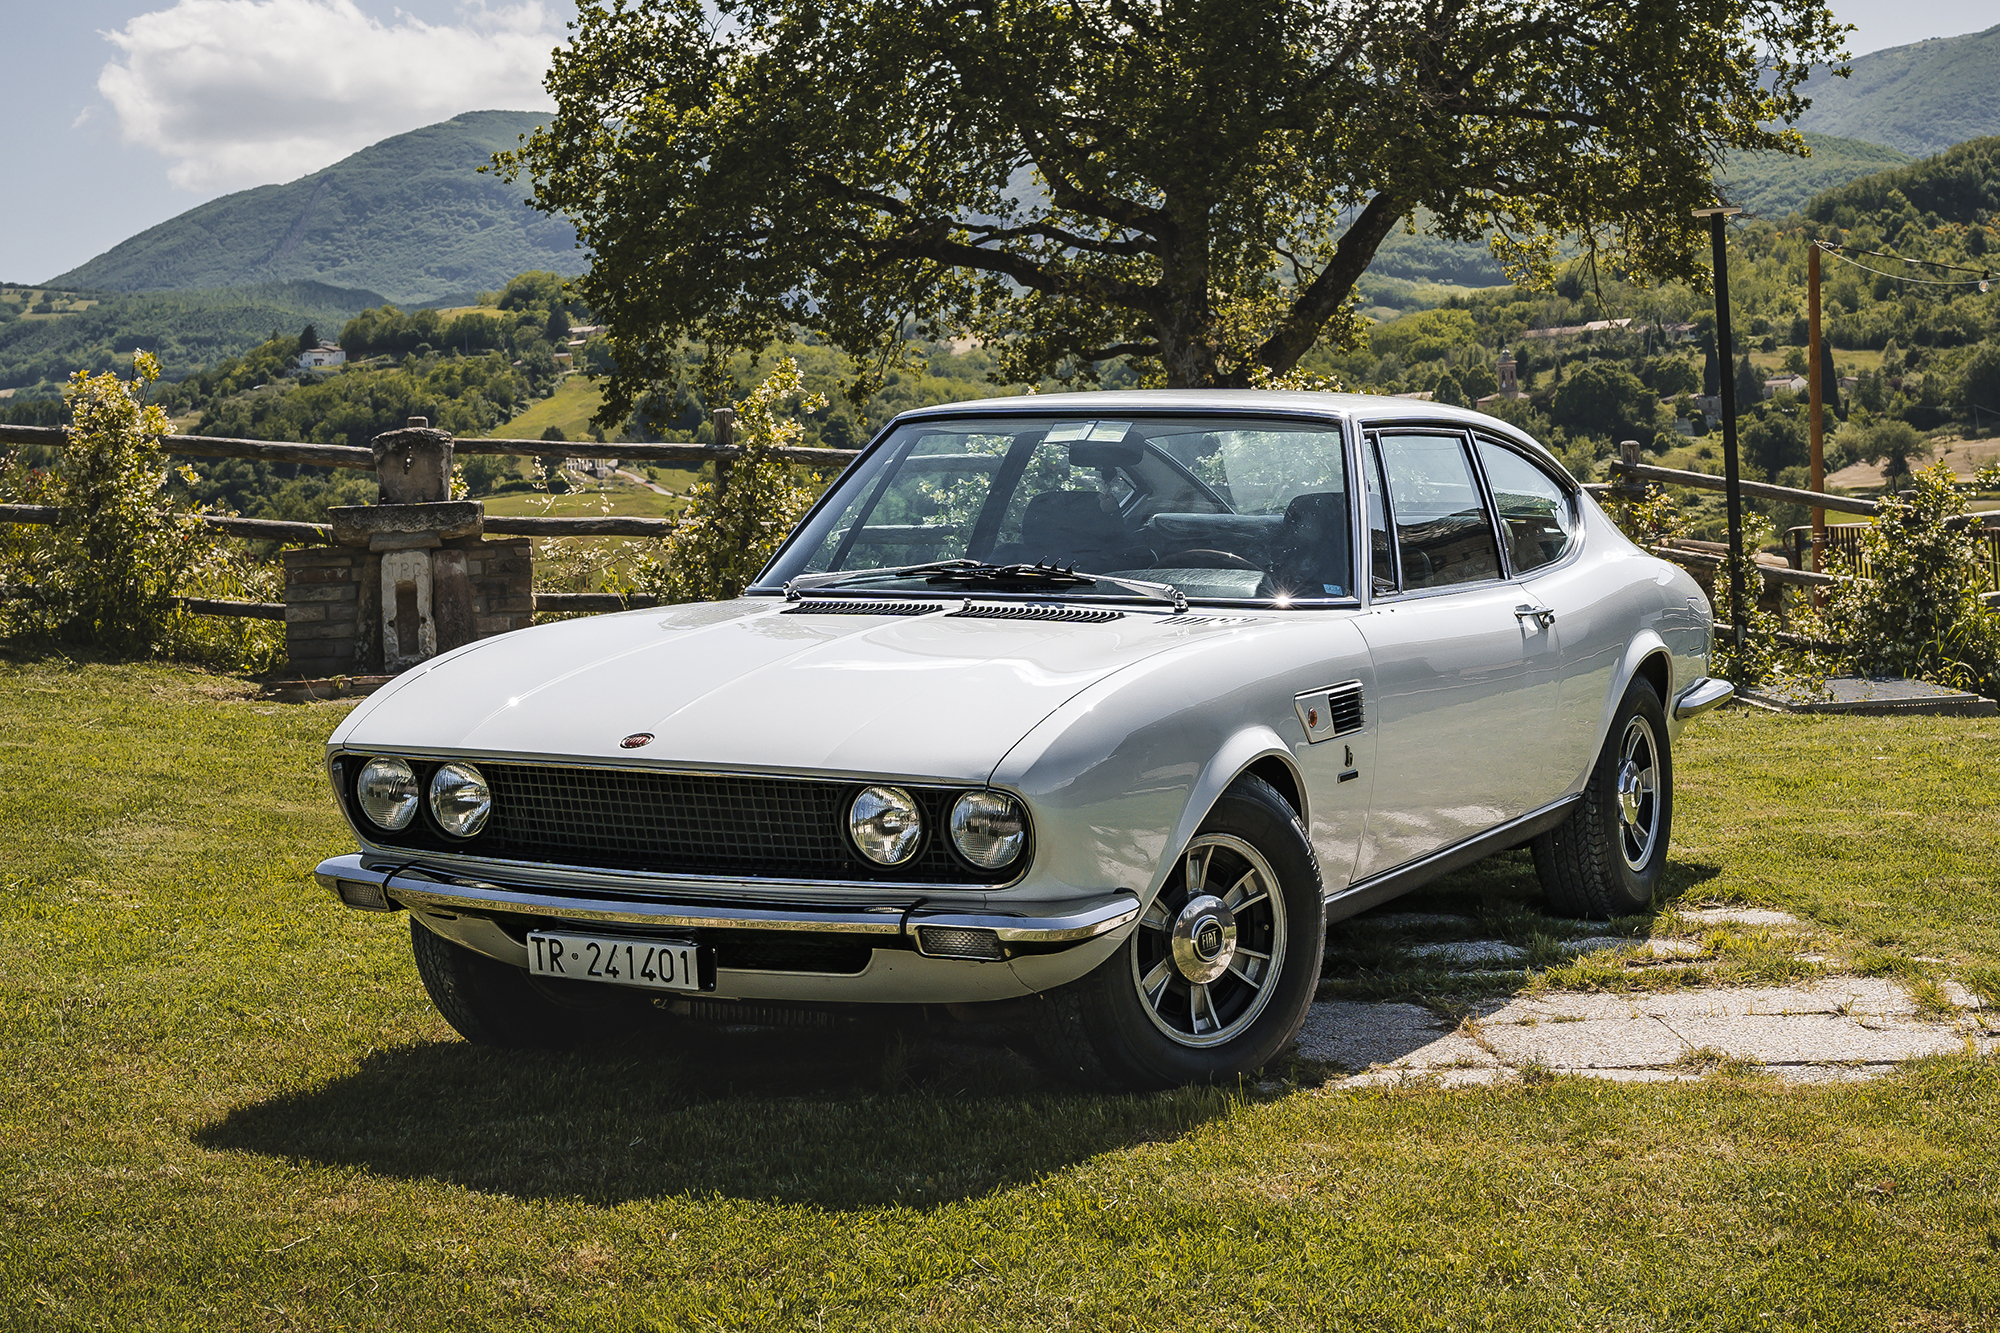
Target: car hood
{"points": [[747, 685]]}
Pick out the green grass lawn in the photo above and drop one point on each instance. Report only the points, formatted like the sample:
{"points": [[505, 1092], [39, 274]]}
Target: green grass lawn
{"points": [[230, 1106]]}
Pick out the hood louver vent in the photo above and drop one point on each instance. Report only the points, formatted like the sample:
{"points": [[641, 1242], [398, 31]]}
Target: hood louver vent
{"points": [[1207, 620], [839, 606], [1070, 614], [1343, 702]]}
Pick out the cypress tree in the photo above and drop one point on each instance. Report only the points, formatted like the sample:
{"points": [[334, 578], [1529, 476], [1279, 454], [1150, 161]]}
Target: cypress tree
{"points": [[1711, 373], [1749, 386], [1829, 380]]}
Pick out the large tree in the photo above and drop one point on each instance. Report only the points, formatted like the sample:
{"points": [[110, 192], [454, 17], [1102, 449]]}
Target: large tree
{"points": [[1194, 185]]}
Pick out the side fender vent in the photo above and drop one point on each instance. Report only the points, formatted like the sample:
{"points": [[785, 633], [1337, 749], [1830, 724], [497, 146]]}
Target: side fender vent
{"points": [[1344, 703], [1070, 614], [1333, 711], [841, 606]]}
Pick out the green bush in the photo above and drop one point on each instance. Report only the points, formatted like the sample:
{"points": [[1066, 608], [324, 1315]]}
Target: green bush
{"points": [[721, 542], [1921, 614], [109, 571]]}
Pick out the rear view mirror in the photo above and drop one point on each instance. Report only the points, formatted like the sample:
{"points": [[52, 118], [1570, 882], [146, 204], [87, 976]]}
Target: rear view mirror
{"points": [[1106, 453]]}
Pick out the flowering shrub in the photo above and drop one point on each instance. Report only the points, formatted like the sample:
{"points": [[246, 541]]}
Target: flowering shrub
{"points": [[721, 542], [1921, 614], [109, 571]]}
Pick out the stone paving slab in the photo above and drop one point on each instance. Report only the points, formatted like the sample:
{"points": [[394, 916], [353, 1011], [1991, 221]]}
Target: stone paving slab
{"points": [[1805, 1039], [1471, 951], [1857, 995], [1837, 1029], [1414, 920], [1736, 916], [1354, 1035], [1629, 1043]]}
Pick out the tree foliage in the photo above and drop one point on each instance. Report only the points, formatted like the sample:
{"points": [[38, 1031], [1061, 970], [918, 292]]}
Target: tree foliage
{"points": [[123, 548], [725, 536], [1920, 614], [1194, 185]]}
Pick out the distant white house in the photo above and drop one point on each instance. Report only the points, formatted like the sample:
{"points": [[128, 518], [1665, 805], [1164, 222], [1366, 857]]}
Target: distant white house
{"points": [[322, 356], [1785, 384]]}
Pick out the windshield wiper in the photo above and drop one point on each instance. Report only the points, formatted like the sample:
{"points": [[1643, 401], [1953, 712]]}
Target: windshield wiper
{"points": [[980, 574]]}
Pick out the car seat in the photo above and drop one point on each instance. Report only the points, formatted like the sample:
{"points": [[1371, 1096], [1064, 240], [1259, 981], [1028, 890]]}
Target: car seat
{"points": [[1073, 528], [1313, 558]]}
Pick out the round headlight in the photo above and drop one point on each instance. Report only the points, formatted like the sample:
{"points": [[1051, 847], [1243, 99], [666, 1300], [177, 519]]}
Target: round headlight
{"points": [[988, 828], [460, 800], [886, 825], [387, 790]]}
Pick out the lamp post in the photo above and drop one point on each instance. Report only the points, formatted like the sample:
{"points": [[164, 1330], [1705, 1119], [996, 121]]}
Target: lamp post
{"points": [[1731, 476]]}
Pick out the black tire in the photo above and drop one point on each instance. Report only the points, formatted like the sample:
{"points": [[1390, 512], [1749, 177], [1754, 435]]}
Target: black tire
{"points": [[1605, 860], [492, 1003], [1135, 1022]]}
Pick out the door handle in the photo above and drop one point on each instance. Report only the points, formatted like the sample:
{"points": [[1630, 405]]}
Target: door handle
{"points": [[1541, 615]]}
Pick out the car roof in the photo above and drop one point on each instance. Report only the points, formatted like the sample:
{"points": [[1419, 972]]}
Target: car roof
{"points": [[1373, 408]]}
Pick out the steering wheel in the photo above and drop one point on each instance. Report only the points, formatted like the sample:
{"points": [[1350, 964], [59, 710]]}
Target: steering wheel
{"points": [[1202, 558]]}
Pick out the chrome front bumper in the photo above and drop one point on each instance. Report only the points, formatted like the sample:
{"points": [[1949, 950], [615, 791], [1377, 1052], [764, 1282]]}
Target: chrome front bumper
{"points": [[1701, 696], [888, 925]]}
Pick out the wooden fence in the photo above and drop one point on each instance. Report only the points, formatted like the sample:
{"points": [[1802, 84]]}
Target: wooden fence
{"points": [[722, 453]]}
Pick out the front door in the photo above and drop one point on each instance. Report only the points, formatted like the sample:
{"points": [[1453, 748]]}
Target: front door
{"points": [[1466, 666]]}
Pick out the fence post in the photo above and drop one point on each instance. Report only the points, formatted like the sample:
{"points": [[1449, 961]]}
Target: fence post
{"points": [[725, 438], [1629, 484]]}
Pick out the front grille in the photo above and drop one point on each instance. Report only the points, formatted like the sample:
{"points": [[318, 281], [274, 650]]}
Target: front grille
{"points": [[686, 823]]}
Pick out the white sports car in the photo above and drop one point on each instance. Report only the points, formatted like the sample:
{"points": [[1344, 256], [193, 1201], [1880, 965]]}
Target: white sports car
{"points": [[1099, 704]]}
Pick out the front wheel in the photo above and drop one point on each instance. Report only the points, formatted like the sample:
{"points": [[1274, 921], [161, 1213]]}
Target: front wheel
{"points": [[1217, 976], [492, 1003], [1605, 860]]}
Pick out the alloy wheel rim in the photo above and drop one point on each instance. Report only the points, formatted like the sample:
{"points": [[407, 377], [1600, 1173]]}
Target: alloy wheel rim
{"points": [[1208, 950], [1638, 794]]}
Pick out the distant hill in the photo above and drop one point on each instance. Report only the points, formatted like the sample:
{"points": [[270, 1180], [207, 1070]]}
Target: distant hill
{"points": [[410, 217], [1771, 185], [1959, 185], [185, 330], [1921, 98]]}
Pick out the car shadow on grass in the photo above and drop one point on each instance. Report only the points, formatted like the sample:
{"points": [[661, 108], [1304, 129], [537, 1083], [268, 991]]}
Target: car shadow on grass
{"points": [[888, 1110]]}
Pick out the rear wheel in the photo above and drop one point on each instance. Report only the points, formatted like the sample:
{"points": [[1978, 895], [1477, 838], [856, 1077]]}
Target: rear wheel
{"points": [[1605, 860], [1216, 978], [492, 1003]]}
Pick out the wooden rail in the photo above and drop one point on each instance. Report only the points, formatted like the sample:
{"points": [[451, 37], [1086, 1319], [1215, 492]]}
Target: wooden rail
{"points": [[262, 529], [1846, 504], [201, 606], [347, 455]]}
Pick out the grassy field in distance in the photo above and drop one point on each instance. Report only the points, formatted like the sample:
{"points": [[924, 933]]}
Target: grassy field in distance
{"points": [[568, 409], [231, 1105]]}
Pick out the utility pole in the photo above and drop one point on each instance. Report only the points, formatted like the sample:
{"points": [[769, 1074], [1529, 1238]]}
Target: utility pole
{"points": [[1816, 421], [1731, 475]]}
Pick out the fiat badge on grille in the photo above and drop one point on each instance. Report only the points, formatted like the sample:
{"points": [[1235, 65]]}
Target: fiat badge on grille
{"points": [[635, 740]]}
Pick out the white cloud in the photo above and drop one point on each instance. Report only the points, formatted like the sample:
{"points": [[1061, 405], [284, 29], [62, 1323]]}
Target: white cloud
{"points": [[249, 92]]}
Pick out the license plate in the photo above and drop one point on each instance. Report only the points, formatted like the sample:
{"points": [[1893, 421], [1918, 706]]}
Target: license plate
{"points": [[649, 964]]}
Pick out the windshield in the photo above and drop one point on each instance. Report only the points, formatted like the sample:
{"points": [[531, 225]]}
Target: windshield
{"points": [[1226, 507]]}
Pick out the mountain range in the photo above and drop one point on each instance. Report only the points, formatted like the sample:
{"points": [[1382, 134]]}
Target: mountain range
{"points": [[411, 217], [1921, 98]]}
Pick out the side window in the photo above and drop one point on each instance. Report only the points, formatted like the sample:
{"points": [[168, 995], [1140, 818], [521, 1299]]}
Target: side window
{"points": [[1381, 558], [1536, 514], [1444, 535]]}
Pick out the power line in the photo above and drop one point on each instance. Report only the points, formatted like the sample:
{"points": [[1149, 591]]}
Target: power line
{"points": [[1985, 275]]}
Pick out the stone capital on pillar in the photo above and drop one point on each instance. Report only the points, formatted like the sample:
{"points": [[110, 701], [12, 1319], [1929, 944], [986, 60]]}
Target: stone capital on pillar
{"points": [[413, 464]]}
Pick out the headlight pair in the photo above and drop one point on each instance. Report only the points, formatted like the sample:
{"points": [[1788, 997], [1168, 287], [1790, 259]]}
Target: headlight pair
{"points": [[388, 792], [988, 828]]}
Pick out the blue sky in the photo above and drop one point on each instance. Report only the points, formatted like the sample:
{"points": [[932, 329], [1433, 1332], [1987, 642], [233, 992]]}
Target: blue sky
{"points": [[123, 113]]}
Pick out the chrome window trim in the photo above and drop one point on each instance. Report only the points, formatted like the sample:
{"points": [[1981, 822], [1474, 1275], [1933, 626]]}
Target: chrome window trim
{"points": [[1370, 437], [1567, 484]]}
